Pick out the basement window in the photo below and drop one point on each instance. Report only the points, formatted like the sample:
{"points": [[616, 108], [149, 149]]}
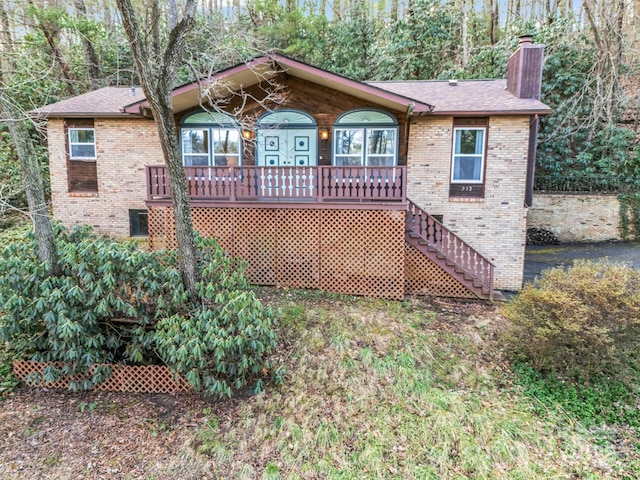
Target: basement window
{"points": [[138, 223]]}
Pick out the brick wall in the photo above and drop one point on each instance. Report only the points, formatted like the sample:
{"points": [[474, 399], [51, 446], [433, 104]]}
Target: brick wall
{"points": [[123, 147], [577, 217], [494, 225]]}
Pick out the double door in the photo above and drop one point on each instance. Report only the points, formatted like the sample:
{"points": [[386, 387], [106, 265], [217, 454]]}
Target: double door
{"points": [[287, 147]]}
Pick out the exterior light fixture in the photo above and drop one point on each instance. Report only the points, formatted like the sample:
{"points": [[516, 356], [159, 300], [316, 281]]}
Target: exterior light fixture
{"points": [[247, 134], [324, 134]]}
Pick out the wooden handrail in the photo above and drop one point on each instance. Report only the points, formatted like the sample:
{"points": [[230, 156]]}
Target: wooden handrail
{"points": [[443, 241], [254, 183]]}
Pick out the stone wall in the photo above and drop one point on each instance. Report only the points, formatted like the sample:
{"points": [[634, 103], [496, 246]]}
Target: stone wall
{"points": [[577, 217], [494, 225]]}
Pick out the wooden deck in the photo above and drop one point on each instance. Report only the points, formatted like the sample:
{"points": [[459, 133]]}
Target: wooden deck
{"points": [[296, 185], [344, 229]]}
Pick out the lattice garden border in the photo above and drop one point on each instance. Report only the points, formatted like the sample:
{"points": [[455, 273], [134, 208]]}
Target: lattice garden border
{"points": [[124, 378]]}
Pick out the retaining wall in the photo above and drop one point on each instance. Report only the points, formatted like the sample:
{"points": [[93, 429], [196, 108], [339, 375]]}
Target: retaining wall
{"points": [[577, 217]]}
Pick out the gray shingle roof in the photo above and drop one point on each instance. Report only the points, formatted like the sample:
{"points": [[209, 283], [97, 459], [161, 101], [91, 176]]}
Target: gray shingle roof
{"points": [[467, 97], [105, 102], [471, 97]]}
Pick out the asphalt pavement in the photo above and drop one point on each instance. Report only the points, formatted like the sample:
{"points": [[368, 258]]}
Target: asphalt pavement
{"points": [[540, 257]]}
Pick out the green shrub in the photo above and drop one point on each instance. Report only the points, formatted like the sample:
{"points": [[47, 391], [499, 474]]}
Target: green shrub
{"points": [[578, 322], [115, 303], [7, 381]]}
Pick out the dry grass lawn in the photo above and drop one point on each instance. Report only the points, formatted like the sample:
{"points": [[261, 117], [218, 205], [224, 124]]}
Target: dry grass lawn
{"points": [[374, 389]]}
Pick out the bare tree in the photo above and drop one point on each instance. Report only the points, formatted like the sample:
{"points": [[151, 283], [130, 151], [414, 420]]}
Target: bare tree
{"points": [[33, 182], [51, 32], [157, 71], [93, 68], [606, 20]]}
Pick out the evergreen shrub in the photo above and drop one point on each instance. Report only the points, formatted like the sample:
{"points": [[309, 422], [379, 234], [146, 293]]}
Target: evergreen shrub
{"points": [[578, 322], [115, 303]]}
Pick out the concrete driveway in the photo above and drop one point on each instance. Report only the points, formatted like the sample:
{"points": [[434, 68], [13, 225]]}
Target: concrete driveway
{"points": [[540, 257]]}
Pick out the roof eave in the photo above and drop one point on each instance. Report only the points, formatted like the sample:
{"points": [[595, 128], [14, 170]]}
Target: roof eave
{"points": [[47, 115], [487, 113], [402, 101]]}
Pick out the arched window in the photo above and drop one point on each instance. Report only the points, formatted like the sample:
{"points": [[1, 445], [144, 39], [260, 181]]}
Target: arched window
{"points": [[210, 139], [365, 137]]}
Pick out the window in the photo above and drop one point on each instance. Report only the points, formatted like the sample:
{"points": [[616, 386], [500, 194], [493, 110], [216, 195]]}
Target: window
{"points": [[210, 139], [226, 146], [81, 155], [82, 144], [366, 138], [138, 223], [468, 157], [348, 150], [195, 147]]}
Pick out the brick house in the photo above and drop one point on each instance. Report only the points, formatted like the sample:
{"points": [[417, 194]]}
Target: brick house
{"points": [[379, 188]]}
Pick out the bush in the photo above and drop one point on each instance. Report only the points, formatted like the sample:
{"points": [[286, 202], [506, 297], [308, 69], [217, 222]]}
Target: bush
{"points": [[115, 303], [578, 322]]}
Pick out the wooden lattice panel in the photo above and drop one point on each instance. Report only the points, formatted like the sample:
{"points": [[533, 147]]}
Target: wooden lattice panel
{"points": [[356, 252], [423, 277], [124, 378], [298, 255], [255, 242], [162, 230], [362, 252], [216, 223]]}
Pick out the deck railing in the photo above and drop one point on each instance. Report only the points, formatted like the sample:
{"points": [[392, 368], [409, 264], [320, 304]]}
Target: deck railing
{"points": [[252, 183]]}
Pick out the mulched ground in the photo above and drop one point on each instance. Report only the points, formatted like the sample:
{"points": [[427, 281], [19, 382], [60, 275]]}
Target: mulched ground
{"points": [[62, 435]]}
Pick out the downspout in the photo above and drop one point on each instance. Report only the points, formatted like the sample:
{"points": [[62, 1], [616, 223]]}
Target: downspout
{"points": [[407, 129], [531, 160]]}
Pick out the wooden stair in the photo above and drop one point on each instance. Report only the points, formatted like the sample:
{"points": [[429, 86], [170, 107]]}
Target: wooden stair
{"points": [[443, 247]]}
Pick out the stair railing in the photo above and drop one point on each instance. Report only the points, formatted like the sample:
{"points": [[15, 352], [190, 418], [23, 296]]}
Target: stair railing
{"points": [[451, 247]]}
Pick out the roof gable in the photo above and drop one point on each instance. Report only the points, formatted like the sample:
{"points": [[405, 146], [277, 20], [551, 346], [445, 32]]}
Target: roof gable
{"points": [[269, 66]]}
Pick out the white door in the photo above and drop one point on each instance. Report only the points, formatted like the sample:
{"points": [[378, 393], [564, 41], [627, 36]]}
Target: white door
{"points": [[287, 147]]}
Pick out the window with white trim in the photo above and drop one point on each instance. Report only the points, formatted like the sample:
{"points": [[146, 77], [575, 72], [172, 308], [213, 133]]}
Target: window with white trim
{"points": [[210, 139], [82, 143], [468, 155], [365, 138], [468, 158]]}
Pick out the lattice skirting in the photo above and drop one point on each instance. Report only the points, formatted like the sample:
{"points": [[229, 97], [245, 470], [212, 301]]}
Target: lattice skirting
{"points": [[424, 277], [124, 378], [357, 252]]}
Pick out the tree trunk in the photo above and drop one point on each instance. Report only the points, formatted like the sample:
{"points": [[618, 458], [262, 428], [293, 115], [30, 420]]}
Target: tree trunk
{"points": [[33, 184], [5, 32], [465, 34], [156, 79], [89, 52], [50, 33]]}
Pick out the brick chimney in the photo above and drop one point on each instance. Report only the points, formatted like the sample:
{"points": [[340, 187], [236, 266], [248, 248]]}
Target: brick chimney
{"points": [[524, 69]]}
